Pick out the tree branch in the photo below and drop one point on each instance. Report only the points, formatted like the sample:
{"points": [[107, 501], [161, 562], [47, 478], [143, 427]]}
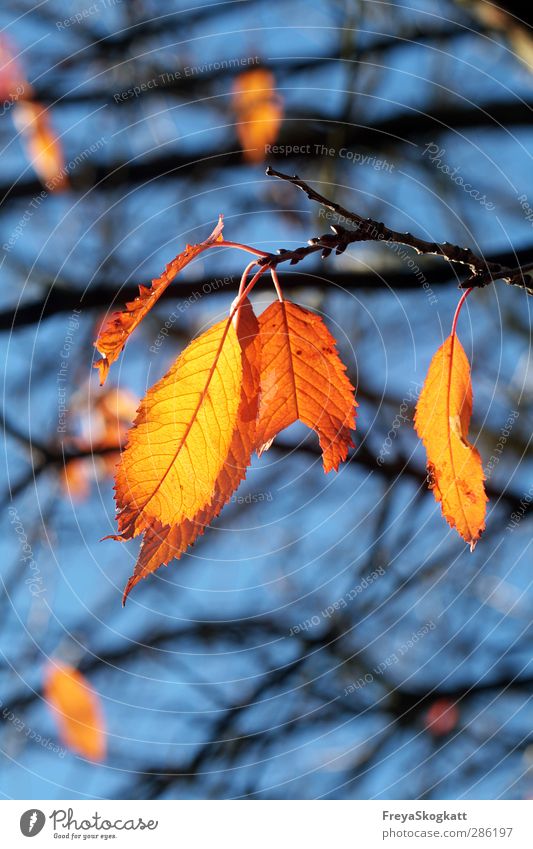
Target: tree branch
{"points": [[482, 272], [61, 299], [385, 134]]}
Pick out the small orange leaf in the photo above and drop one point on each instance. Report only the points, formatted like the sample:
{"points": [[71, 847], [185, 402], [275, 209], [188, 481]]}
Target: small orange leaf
{"points": [[77, 710], [44, 148], [95, 428], [31, 119], [13, 84], [303, 378], [442, 421], [191, 443], [75, 479], [117, 329], [259, 112]]}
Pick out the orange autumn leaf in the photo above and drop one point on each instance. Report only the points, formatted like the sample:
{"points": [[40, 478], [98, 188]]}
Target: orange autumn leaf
{"points": [[191, 443], [303, 378], [259, 112], [77, 710], [442, 421], [117, 329], [44, 148]]}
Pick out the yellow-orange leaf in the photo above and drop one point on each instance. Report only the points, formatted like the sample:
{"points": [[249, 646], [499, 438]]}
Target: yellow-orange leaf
{"points": [[259, 112], [162, 543], [44, 148], [77, 710], [303, 378], [191, 443], [117, 329], [442, 421]]}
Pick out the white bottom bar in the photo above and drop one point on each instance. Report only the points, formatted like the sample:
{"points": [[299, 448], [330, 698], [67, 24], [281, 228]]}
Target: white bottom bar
{"points": [[268, 824]]}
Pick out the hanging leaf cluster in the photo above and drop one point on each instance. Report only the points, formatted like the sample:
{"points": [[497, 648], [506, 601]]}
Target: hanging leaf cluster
{"points": [[237, 386]]}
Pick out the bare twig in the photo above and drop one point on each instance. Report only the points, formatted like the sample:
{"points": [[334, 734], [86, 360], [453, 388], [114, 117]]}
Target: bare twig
{"points": [[482, 271]]}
